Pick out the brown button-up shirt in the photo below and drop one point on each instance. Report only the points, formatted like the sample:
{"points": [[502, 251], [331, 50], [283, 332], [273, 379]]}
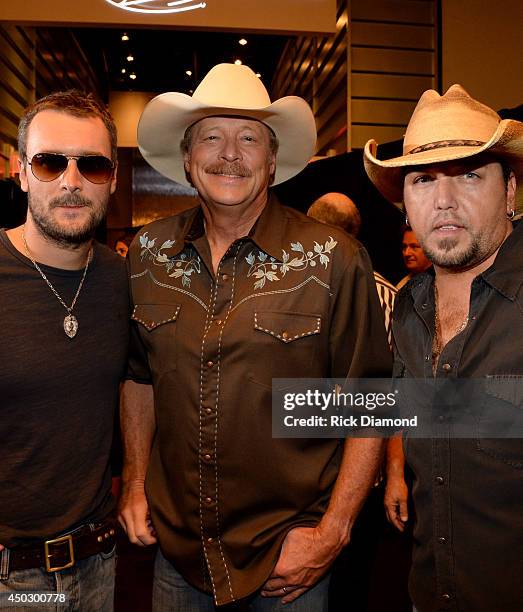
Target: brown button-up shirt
{"points": [[295, 298]]}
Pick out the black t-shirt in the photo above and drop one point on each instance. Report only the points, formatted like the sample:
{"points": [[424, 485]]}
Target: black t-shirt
{"points": [[58, 395]]}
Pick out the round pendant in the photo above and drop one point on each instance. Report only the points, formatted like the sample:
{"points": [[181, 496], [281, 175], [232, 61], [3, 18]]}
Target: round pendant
{"points": [[70, 325]]}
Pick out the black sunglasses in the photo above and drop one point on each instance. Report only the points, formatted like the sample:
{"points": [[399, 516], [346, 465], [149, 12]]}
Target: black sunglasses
{"points": [[47, 167]]}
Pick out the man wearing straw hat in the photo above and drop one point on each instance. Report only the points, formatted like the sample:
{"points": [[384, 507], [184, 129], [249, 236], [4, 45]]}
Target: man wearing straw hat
{"points": [[458, 178], [228, 296]]}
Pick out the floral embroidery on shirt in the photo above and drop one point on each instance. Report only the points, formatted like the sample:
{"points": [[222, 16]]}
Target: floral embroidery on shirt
{"points": [[266, 268], [184, 264]]}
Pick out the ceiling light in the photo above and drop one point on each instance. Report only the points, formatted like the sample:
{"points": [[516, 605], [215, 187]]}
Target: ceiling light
{"points": [[125, 37], [258, 75], [188, 72], [127, 5], [243, 41], [124, 70], [130, 58], [238, 62], [132, 76]]}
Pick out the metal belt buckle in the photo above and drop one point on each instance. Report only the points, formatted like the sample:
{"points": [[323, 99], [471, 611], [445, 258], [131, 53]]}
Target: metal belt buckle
{"points": [[48, 555]]}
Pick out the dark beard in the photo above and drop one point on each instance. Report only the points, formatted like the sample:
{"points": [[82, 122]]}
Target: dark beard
{"points": [[453, 260], [64, 236]]}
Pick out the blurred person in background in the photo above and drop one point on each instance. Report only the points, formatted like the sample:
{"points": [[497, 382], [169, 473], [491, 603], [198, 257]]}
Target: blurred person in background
{"points": [[413, 256]]}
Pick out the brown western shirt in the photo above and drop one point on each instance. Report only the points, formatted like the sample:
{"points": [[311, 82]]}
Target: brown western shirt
{"points": [[468, 493], [295, 298]]}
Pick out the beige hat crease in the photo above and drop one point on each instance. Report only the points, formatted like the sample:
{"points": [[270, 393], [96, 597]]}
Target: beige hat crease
{"points": [[166, 118], [446, 128]]}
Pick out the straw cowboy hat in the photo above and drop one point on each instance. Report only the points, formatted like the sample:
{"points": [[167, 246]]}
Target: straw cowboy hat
{"points": [[228, 90], [445, 128]]}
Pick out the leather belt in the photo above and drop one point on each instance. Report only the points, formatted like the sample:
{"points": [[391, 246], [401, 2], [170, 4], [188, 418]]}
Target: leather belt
{"points": [[63, 552]]}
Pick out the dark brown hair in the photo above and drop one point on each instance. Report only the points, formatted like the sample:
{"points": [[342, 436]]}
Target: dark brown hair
{"points": [[72, 102]]}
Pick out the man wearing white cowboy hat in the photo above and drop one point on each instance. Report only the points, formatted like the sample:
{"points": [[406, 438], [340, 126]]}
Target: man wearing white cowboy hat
{"points": [[228, 296], [458, 177]]}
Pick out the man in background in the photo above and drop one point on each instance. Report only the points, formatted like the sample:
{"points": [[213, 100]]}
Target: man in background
{"points": [[339, 210], [396, 488], [413, 256]]}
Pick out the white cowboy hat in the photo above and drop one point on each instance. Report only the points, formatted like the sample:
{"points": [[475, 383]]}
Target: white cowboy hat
{"points": [[228, 90], [445, 128]]}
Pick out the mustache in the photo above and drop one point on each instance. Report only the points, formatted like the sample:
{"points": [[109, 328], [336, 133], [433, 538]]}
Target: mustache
{"points": [[234, 168], [448, 221], [70, 199]]}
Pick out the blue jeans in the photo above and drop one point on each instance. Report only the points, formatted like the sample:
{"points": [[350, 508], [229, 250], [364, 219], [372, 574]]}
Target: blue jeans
{"points": [[171, 593], [88, 586]]}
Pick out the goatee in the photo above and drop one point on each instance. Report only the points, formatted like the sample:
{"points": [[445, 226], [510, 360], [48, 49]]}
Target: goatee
{"points": [[62, 234], [448, 255]]}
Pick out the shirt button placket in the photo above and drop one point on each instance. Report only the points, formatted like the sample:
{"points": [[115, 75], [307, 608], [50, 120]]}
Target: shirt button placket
{"points": [[209, 414], [443, 548]]}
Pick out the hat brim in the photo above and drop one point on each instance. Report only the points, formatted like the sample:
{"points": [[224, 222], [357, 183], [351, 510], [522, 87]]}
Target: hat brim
{"points": [[165, 119], [388, 175]]}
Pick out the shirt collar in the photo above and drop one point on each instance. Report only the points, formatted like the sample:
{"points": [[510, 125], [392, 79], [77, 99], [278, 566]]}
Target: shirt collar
{"points": [[505, 274], [267, 233], [192, 229], [420, 287]]}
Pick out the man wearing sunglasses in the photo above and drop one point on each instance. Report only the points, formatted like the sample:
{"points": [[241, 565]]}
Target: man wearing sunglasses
{"points": [[64, 316]]}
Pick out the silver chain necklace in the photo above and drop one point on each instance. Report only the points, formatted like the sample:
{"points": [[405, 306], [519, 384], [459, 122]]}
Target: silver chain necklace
{"points": [[70, 321]]}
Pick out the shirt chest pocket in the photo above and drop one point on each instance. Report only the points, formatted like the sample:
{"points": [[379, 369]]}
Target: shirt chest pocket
{"points": [[157, 324], [500, 422], [284, 345]]}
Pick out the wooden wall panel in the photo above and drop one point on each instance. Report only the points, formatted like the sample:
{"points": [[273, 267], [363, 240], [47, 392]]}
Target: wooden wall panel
{"points": [[61, 64], [379, 112], [335, 87], [392, 60], [33, 63], [404, 11], [316, 69], [296, 69], [360, 134], [389, 87], [16, 87], [364, 81], [333, 122], [400, 36]]}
